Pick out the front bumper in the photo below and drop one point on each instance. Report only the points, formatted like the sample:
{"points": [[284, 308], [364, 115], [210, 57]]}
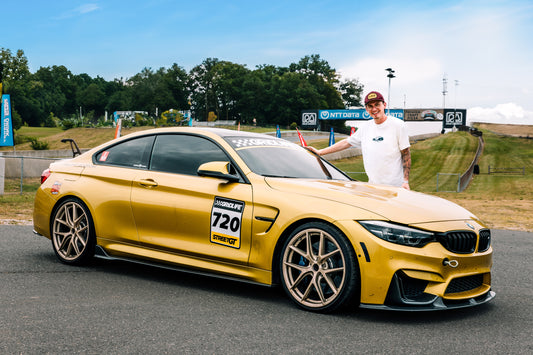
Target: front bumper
{"points": [[409, 294], [399, 277]]}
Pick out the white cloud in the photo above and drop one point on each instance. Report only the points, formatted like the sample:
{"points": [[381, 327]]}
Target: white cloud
{"points": [[80, 10], [509, 113], [484, 48], [83, 9]]}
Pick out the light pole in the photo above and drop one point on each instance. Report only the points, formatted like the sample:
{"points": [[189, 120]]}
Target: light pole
{"points": [[456, 85], [390, 76], [444, 91]]}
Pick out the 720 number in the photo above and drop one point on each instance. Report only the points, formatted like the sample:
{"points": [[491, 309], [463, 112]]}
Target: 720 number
{"points": [[226, 222]]}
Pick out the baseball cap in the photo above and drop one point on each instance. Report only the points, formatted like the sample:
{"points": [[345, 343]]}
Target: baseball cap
{"points": [[373, 96]]}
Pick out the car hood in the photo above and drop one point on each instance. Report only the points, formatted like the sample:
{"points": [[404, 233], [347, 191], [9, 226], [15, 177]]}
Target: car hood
{"points": [[393, 203]]}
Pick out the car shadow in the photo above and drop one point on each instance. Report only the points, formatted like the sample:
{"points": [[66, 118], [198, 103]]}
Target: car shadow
{"points": [[184, 278], [273, 295]]}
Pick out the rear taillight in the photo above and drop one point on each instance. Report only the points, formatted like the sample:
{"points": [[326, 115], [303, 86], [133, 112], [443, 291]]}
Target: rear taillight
{"points": [[45, 174]]}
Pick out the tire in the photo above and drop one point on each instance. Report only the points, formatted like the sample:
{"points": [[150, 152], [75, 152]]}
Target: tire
{"points": [[73, 237], [319, 269]]}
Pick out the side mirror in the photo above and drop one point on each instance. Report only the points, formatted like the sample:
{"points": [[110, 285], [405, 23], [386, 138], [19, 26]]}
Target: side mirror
{"points": [[220, 170]]}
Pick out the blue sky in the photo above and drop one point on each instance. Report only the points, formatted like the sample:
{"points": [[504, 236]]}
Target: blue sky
{"points": [[483, 47]]}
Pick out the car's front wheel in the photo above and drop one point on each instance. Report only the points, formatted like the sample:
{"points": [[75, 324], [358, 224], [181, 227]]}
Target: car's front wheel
{"points": [[73, 237], [319, 269]]}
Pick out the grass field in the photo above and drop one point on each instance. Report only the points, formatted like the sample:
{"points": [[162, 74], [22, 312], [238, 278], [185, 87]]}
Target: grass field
{"points": [[502, 201]]}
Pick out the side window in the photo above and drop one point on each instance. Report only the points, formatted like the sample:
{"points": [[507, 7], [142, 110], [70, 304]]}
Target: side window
{"points": [[183, 154], [133, 153]]}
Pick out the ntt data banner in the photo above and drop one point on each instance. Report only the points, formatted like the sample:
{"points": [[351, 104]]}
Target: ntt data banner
{"points": [[358, 114], [355, 114], [6, 126]]}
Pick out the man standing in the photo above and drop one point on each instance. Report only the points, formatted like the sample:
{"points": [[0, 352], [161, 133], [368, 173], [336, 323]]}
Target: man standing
{"points": [[384, 143]]}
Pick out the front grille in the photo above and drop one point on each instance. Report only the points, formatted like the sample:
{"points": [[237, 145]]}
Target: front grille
{"points": [[484, 240], [466, 283], [461, 242]]}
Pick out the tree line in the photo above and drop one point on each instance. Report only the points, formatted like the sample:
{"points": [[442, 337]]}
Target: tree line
{"points": [[267, 95]]}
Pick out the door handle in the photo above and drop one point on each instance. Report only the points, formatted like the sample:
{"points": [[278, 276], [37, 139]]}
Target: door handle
{"points": [[148, 183]]}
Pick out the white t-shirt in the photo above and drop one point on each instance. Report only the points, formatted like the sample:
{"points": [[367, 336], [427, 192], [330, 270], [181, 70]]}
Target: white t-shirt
{"points": [[381, 145]]}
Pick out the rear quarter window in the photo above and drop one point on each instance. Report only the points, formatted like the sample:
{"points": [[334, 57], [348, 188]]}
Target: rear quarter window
{"points": [[133, 153]]}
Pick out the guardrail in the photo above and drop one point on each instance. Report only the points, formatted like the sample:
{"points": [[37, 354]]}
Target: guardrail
{"points": [[447, 182], [466, 177]]}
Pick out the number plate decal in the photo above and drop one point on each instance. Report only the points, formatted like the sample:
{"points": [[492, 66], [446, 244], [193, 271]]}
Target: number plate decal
{"points": [[226, 219]]}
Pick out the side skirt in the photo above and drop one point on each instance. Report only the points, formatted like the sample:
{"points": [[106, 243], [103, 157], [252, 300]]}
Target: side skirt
{"points": [[102, 254]]}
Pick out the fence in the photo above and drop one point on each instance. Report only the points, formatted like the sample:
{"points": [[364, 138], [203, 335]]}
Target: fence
{"points": [[521, 171], [13, 166]]}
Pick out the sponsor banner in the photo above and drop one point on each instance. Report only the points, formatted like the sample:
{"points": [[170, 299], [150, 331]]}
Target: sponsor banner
{"points": [[6, 124], [309, 119], [395, 113], [454, 118], [354, 114], [423, 114]]}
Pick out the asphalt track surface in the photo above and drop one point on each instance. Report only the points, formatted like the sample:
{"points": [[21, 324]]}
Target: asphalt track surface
{"points": [[120, 308]]}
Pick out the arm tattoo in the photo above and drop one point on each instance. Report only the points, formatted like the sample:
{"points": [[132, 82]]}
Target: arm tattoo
{"points": [[406, 163]]}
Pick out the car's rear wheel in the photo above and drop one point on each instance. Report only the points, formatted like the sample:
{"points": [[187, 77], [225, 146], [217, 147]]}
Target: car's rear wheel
{"points": [[73, 237], [319, 269]]}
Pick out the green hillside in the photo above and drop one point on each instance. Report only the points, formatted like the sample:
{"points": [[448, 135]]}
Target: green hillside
{"points": [[454, 152]]}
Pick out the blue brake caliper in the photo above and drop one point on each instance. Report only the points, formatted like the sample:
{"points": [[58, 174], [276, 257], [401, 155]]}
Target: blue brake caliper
{"points": [[302, 261]]}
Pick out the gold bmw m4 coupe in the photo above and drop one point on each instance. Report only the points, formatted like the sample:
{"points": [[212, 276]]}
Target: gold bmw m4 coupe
{"points": [[261, 209]]}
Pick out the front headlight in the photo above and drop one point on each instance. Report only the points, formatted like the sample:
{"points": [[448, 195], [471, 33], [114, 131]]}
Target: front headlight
{"points": [[398, 234]]}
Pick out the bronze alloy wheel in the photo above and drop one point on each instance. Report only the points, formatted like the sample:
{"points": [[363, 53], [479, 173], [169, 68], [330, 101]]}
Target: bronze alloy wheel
{"points": [[319, 268], [72, 232]]}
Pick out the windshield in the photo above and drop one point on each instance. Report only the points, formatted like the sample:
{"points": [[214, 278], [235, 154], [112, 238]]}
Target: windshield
{"points": [[275, 157]]}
